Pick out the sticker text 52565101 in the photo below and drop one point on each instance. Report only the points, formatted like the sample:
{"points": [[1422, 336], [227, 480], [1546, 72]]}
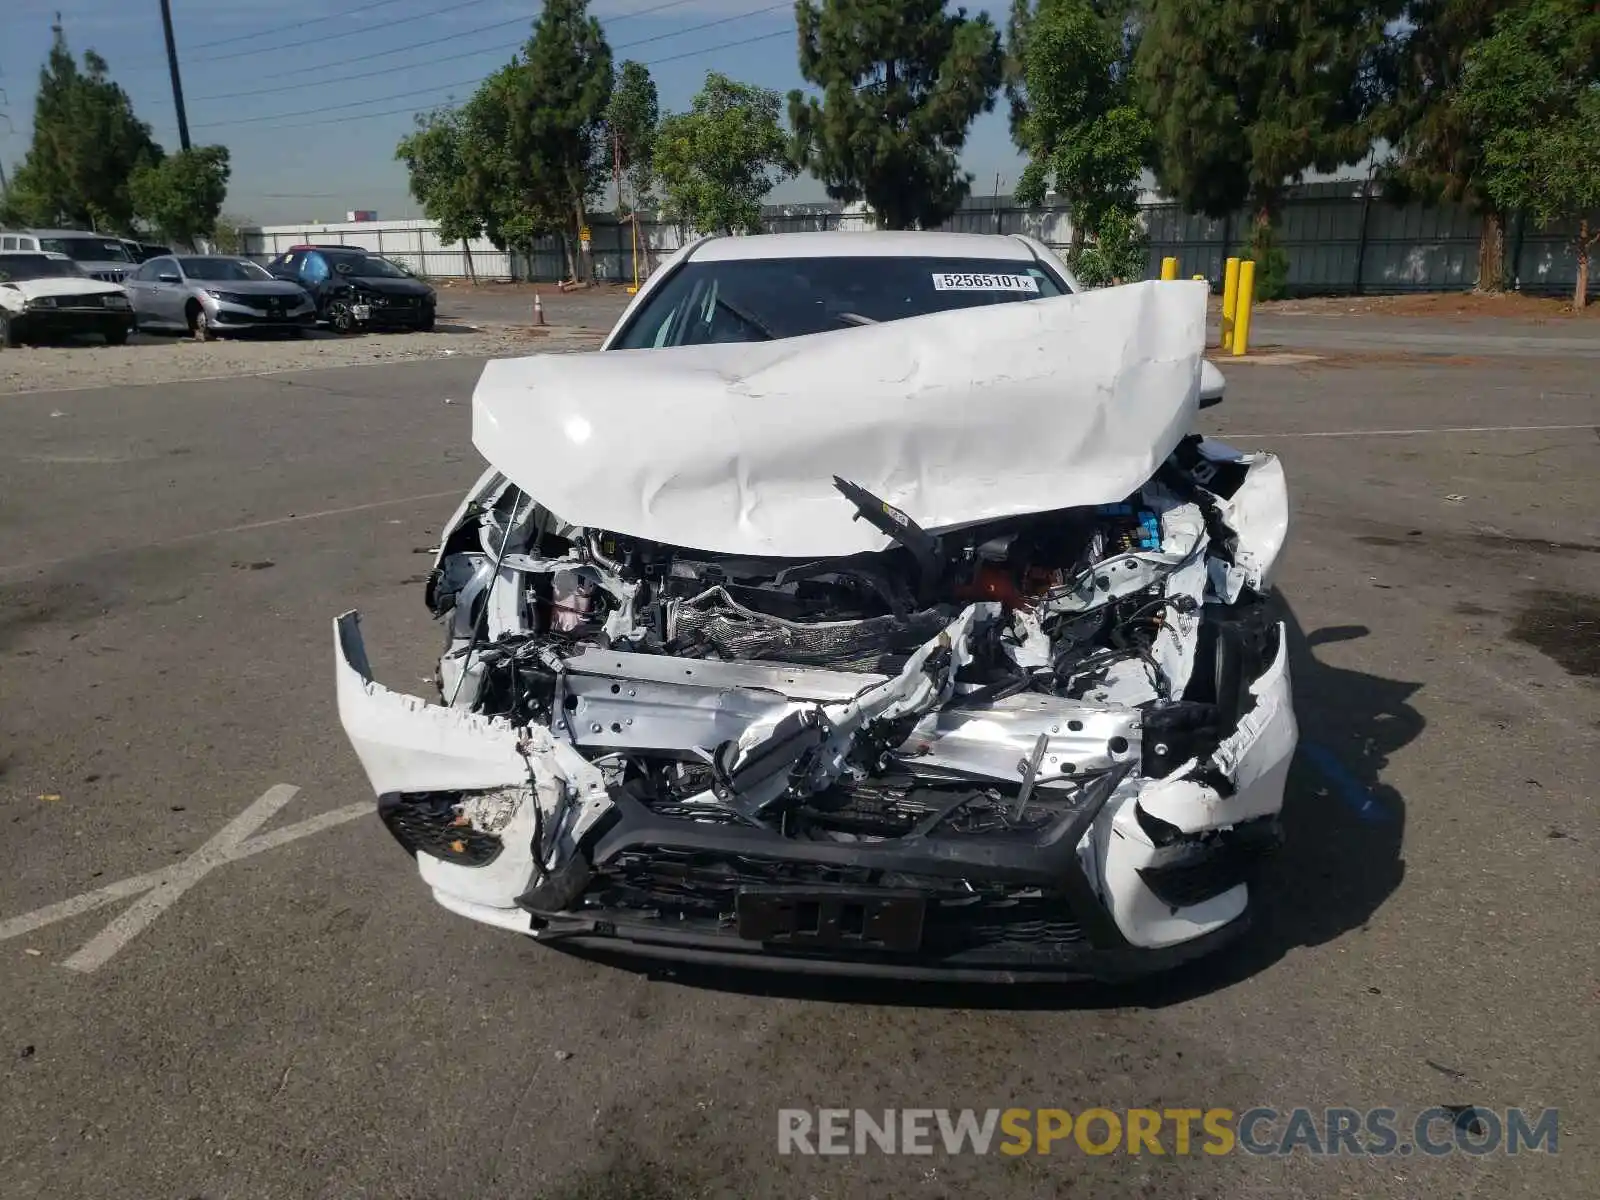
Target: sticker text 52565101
{"points": [[952, 281]]}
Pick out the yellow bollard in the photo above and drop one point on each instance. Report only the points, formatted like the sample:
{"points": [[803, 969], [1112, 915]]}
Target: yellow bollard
{"points": [[1230, 297], [1169, 268], [1242, 303]]}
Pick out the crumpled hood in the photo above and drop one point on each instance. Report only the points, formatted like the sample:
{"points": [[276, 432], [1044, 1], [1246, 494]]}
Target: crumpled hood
{"points": [[954, 418]]}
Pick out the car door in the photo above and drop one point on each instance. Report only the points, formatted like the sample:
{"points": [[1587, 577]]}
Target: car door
{"points": [[137, 287], [166, 292], [314, 276]]}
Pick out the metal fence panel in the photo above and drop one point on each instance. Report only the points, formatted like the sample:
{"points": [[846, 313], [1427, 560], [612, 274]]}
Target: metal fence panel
{"points": [[1340, 237]]}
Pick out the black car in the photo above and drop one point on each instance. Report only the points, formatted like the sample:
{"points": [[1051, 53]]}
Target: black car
{"points": [[143, 252], [355, 290]]}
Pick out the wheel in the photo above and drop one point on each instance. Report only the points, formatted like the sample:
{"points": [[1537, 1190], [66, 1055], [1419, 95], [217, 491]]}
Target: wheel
{"points": [[117, 337], [200, 324], [297, 331], [342, 318], [8, 332]]}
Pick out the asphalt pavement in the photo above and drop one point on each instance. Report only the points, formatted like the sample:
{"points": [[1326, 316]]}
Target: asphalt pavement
{"points": [[222, 978]]}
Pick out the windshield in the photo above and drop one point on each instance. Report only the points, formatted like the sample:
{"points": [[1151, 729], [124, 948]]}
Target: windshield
{"points": [[86, 249], [754, 300], [34, 266], [365, 265], [232, 270]]}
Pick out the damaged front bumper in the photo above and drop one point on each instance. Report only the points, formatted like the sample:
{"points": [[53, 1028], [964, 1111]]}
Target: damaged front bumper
{"points": [[1143, 863]]}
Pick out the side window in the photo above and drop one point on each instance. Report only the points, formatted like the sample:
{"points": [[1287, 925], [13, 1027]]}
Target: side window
{"points": [[314, 269], [142, 275], [288, 264], [8, 243], [164, 266]]}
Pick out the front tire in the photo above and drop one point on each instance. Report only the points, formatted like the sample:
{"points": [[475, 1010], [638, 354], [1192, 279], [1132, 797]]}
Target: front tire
{"points": [[117, 337], [8, 332], [200, 325], [342, 318]]}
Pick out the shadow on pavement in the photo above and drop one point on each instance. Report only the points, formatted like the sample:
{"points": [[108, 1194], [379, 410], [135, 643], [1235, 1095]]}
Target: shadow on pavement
{"points": [[1344, 830]]}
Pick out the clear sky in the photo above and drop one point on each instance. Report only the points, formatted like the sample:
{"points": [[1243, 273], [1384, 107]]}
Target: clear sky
{"points": [[310, 100]]}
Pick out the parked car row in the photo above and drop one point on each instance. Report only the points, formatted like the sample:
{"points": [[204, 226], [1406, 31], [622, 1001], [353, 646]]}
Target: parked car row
{"points": [[56, 283]]}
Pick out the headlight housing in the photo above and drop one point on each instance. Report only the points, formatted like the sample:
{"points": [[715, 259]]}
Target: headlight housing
{"points": [[115, 301], [42, 302], [227, 297]]}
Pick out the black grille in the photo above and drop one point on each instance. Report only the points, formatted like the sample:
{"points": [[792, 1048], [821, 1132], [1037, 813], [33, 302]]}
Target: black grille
{"points": [[700, 889], [430, 822], [92, 300], [111, 276]]}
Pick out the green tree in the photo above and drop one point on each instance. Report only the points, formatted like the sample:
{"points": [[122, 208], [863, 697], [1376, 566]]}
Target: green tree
{"points": [[442, 175], [901, 82], [559, 103], [1119, 253], [1246, 96], [1437, 154], [449, 175], [182, 195], [87, 145], [520, 196], [632, 118], [1072, 110], [228, 234], [718, 161], [1532, 91]]}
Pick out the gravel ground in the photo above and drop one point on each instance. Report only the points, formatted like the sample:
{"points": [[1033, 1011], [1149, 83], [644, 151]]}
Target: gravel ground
{"points": [[151, 359]]}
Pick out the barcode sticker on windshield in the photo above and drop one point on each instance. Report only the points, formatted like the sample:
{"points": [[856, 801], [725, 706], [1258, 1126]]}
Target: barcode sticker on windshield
{"points": [[952, 282]]}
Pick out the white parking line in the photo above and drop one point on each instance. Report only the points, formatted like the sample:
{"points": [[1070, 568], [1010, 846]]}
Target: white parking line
{"points": [[248, 527], [159, 890], [1343, 433]]}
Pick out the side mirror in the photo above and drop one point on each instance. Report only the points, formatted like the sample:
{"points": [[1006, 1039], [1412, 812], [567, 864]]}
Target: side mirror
{"points": [[1212, 384], [168, 277]]}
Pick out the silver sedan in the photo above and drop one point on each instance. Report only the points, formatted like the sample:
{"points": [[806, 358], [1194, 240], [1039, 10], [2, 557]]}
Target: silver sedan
{"points": [[210, 294]]}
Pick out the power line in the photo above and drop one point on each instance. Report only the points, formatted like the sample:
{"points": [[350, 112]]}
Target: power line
{"points": [[300, 87], [296, 87], [380, 54], [762, 37], [412, 108], [245, 37], [429, 43], [333, 37]]}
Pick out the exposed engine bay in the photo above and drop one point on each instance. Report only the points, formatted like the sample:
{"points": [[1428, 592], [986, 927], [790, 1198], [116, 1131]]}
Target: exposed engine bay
{"points": [[1034, 741]]}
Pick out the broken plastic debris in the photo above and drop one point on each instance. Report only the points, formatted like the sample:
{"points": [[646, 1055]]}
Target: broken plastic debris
{"points": [[32, 953], [1455, 498], [50, 796], [563, 1055]]}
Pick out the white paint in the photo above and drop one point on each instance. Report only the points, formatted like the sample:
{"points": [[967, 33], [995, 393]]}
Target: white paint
{"points": [[248, 527], [956, 417], [1342, 433], [161, 889]]}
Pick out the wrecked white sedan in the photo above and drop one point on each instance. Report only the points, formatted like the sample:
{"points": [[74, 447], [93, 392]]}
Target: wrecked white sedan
{"points": [[865, 605]]}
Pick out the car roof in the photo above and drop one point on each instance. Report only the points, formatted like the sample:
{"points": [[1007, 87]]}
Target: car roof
{"points": [[877, 243], [83, 233]]}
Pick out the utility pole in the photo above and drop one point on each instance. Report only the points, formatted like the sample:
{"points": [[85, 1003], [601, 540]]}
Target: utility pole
{"points": [[10, 129], [177, 83]]}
